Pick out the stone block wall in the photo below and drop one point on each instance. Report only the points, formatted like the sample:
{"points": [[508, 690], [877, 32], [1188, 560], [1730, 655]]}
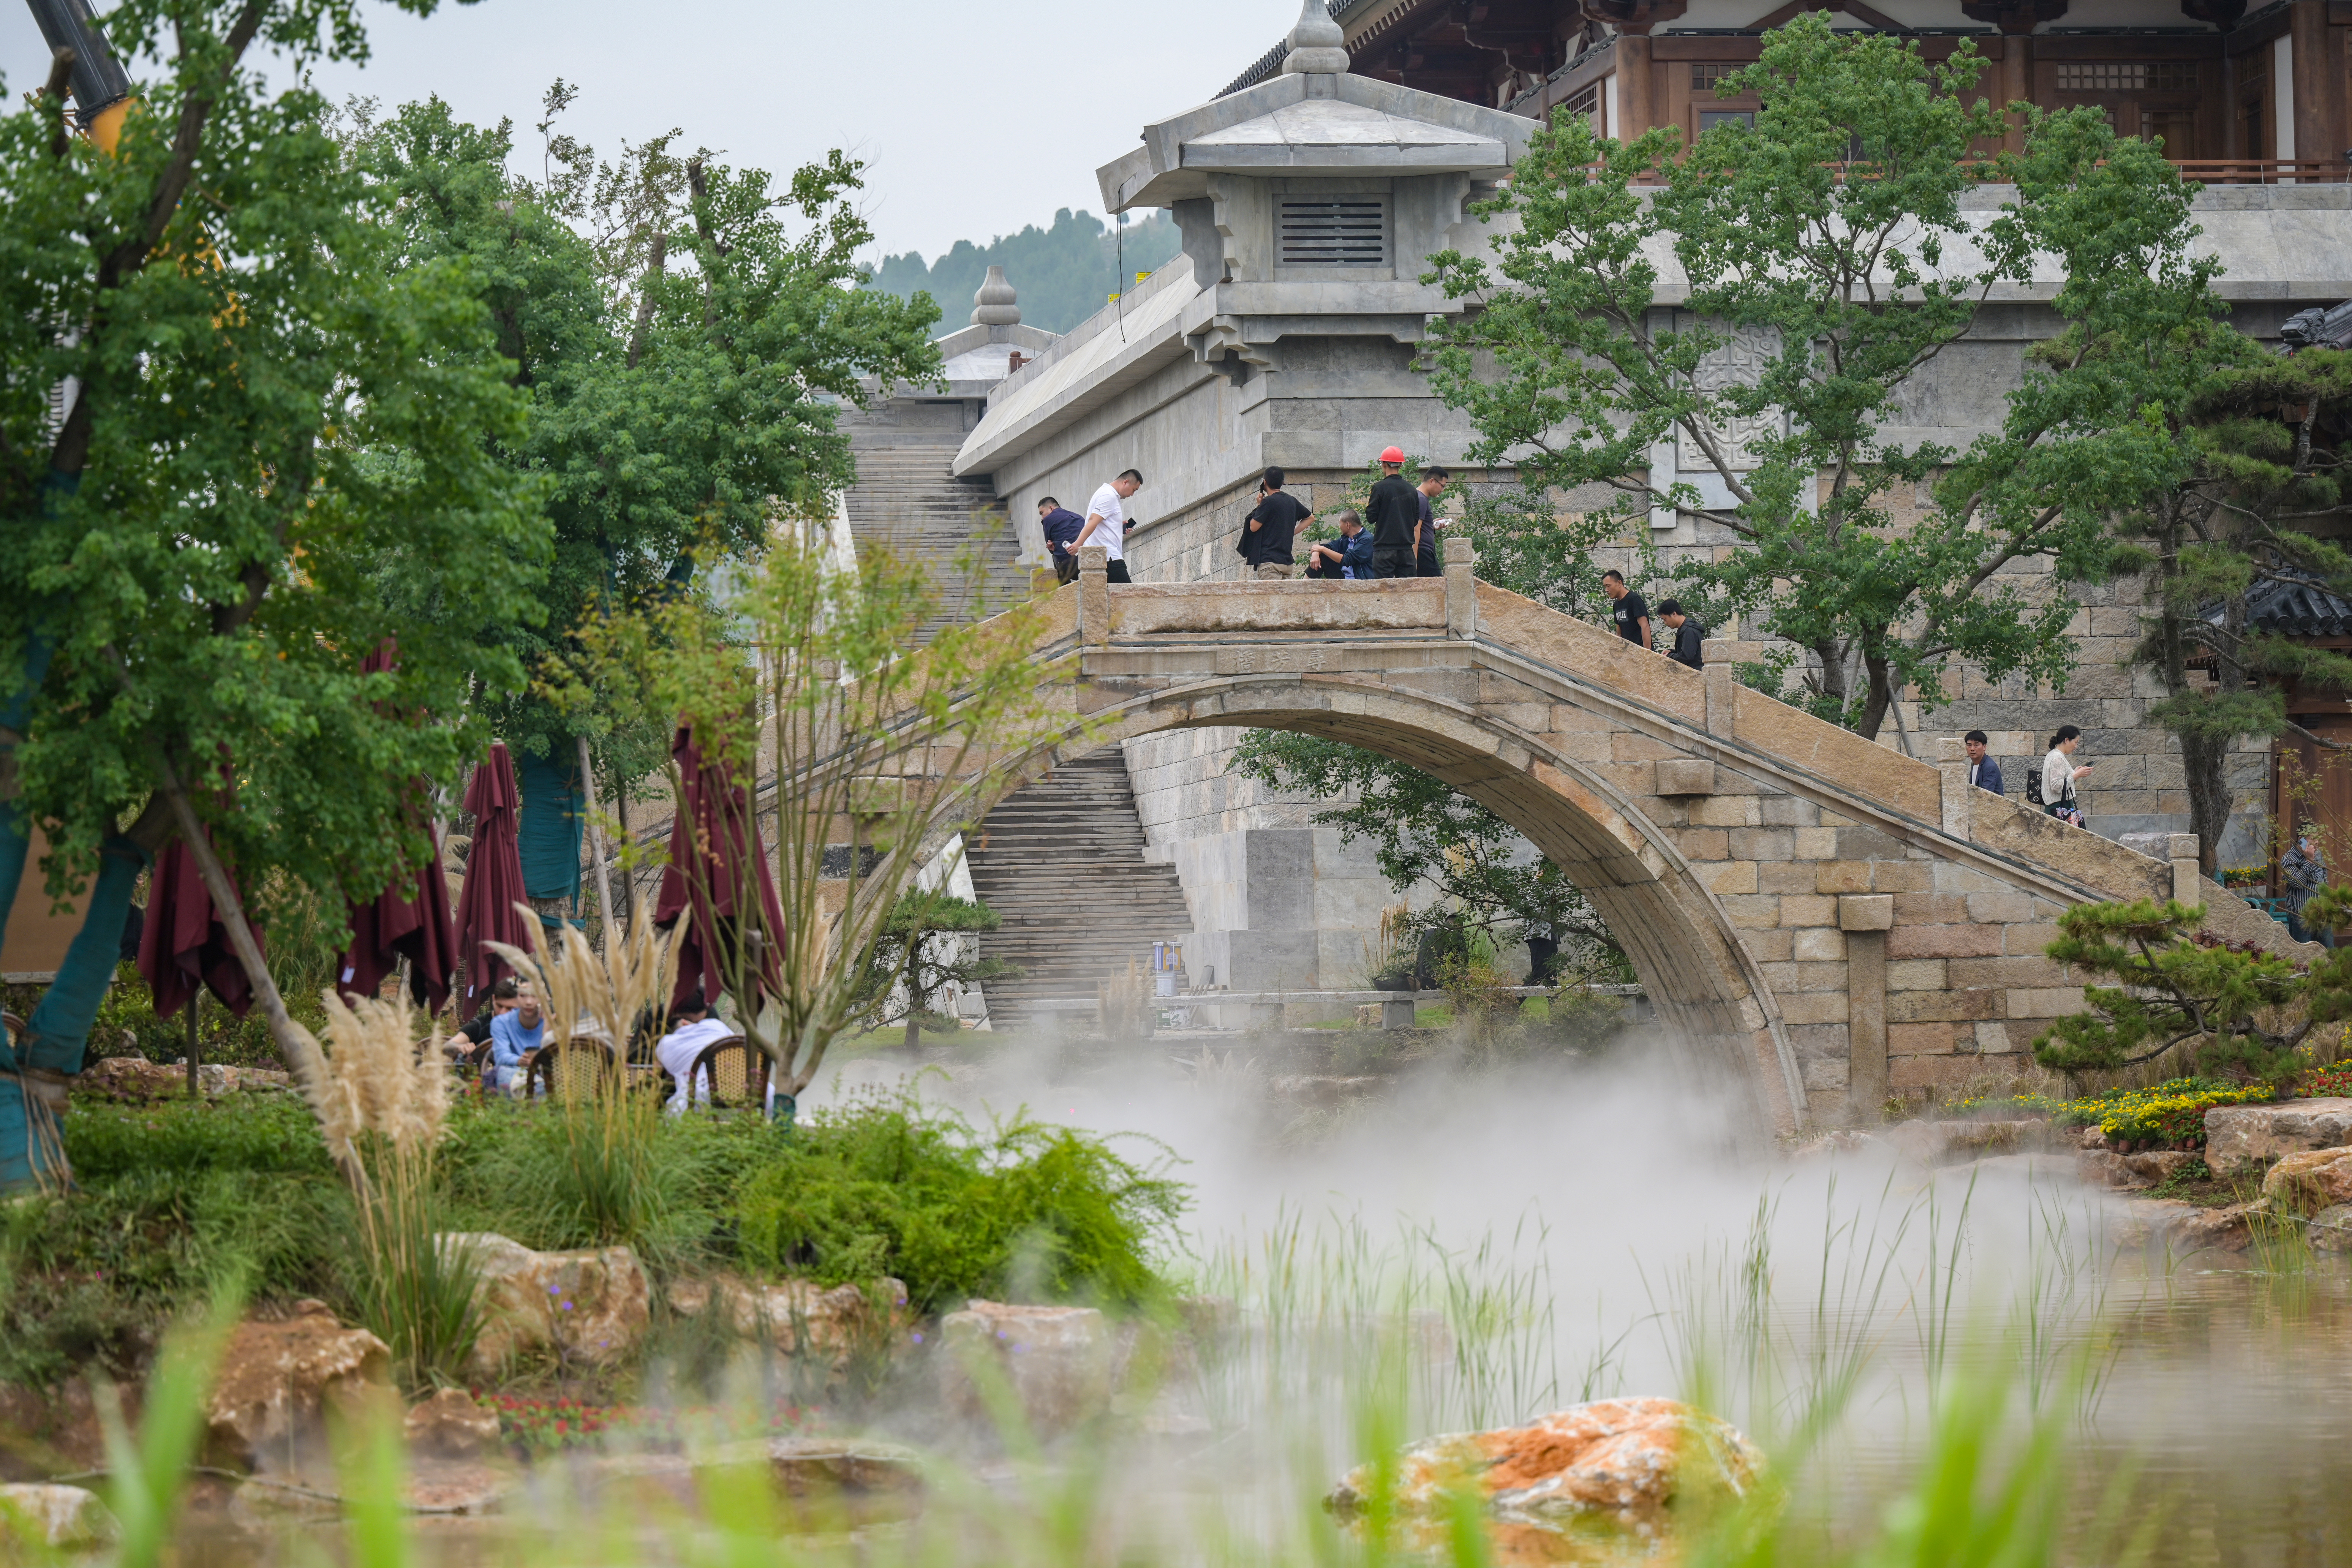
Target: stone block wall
{"points": [[1277, 902]]}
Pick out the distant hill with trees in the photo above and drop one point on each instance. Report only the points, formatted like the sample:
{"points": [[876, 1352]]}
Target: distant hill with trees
{"points": [[1063, 274]]}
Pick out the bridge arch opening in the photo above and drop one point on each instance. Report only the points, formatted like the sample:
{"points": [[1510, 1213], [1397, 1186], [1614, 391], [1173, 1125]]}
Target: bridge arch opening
{"points": [[1701, 980]]}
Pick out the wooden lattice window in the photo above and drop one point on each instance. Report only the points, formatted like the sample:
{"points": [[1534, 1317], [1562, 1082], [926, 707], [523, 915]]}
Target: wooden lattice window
{"points": [[1706, 75], [1586, 101], [2128, 76]]}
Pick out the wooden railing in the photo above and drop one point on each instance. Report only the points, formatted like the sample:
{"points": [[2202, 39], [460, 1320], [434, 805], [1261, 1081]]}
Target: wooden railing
{"points": [[2203, 171], [2265, 171]]}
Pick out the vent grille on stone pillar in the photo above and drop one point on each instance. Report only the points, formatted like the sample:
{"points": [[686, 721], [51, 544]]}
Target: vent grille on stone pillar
{"points": [[1338, 231]]}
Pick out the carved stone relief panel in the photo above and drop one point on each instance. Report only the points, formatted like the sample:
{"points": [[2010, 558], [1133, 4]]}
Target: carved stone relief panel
{"points": [[1739, 362]]}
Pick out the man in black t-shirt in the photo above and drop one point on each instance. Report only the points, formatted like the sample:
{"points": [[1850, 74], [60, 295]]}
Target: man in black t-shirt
{"points": [[1393, 515], [503, 998], [1629, 613], [1271, 526]]}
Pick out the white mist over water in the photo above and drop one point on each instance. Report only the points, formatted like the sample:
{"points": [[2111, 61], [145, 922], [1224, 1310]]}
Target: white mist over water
{"points": [[1628, 1181], [1617, 1227]]}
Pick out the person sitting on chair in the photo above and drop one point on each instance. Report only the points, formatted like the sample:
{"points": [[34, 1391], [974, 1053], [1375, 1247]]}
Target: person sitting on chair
{"points": [[513, 1036], [501, 999], [691, 1029]]}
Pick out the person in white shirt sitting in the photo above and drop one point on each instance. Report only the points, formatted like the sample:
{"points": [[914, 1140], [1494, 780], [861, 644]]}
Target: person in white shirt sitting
{"points": [[691, 1029]]}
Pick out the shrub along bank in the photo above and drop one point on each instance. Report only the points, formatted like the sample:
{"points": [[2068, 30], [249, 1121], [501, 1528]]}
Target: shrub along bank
{"points": [[174, 1199]]}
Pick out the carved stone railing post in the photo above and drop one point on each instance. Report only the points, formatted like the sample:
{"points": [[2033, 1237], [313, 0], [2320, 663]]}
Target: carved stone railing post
{"points": [[1722, 687], [1952, 766], [1866, 919], [2182, 849], [1094, 596], [1461, 589]]}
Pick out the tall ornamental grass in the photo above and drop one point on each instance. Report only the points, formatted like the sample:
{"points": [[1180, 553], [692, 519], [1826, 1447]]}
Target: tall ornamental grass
{"points": [[609, 1177], [383, 1108]]}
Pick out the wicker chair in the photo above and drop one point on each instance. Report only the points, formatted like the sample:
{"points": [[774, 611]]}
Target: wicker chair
{"points": [[577, 1066], [727, 1072]]}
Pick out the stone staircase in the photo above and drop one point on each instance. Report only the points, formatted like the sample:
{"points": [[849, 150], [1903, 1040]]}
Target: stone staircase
{"points": [[908, 498], [1062, 861]]}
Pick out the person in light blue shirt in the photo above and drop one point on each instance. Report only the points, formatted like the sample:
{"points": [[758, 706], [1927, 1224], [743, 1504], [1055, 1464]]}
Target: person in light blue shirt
{"points": [[513, 1036]]}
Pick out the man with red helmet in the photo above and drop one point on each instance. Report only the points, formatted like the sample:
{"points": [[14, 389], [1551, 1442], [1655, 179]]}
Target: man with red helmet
{"points": [[1393, 515]]}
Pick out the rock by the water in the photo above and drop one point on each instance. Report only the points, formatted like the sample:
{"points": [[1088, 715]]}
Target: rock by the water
{"points": [[1209, 1319], [2187, 1227], [1616, 1463], [451, 1425], [460, 1486], [2330, 1229], [822, 1483], [464, 1488], [589, 1306], [41, 1515], [2239, 1133], [280, 1380], [1956, 1142], [803, 1318], [2229, 1230], [1057, 1360], [2104, 1168], [2312, 1180]]}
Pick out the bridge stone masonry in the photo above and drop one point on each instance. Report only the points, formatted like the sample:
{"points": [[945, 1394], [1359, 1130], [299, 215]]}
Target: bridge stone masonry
{"points": [[1828, 920]]}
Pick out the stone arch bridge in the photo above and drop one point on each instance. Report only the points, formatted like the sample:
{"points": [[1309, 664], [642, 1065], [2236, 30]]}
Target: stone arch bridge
{"points": [[1830, 918]]}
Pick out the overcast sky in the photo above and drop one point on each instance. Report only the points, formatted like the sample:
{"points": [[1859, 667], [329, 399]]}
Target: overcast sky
{"points": [[974, 117]]}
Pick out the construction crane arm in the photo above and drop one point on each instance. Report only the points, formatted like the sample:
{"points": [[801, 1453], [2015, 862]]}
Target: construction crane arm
{"points": [[101, 87]]}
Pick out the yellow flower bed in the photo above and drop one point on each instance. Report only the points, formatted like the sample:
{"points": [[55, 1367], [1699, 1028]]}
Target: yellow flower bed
{"points": [[2171, 1112]]}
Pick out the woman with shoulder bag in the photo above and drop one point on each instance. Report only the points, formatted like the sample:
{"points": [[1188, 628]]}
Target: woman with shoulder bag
{"points": [[2059, 772]]}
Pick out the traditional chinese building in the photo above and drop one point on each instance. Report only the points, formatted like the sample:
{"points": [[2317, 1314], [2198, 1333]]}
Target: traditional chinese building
{"points": [[2238, 95]]}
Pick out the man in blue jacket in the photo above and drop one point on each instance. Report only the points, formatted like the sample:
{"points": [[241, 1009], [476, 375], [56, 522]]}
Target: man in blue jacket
{"points": [[1983, 772], [1061, 525]]}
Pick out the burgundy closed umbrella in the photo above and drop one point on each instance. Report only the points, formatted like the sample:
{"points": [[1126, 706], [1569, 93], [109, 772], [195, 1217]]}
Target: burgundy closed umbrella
{"points": [[408, 920], [714, 859], [183, 944], [486, 904]]}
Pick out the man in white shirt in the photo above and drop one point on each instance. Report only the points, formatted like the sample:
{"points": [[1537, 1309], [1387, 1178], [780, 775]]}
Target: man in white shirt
{"points": [[691, 1028], [1106, 522]]}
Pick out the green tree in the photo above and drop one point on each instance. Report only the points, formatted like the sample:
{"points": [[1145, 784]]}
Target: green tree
{"points": [[264, 418], [1828, 247], [924, 948], [685, 333], [2260, 506], [2236, 1010], [1425, 832]]}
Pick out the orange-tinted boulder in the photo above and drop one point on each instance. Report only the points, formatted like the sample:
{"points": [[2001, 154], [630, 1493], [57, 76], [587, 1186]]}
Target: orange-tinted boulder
{"points": [[1559, 1490]]}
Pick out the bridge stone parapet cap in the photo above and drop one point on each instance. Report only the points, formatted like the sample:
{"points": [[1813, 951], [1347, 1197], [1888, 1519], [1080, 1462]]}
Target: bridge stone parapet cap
{"points": [[1145, 609]]}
